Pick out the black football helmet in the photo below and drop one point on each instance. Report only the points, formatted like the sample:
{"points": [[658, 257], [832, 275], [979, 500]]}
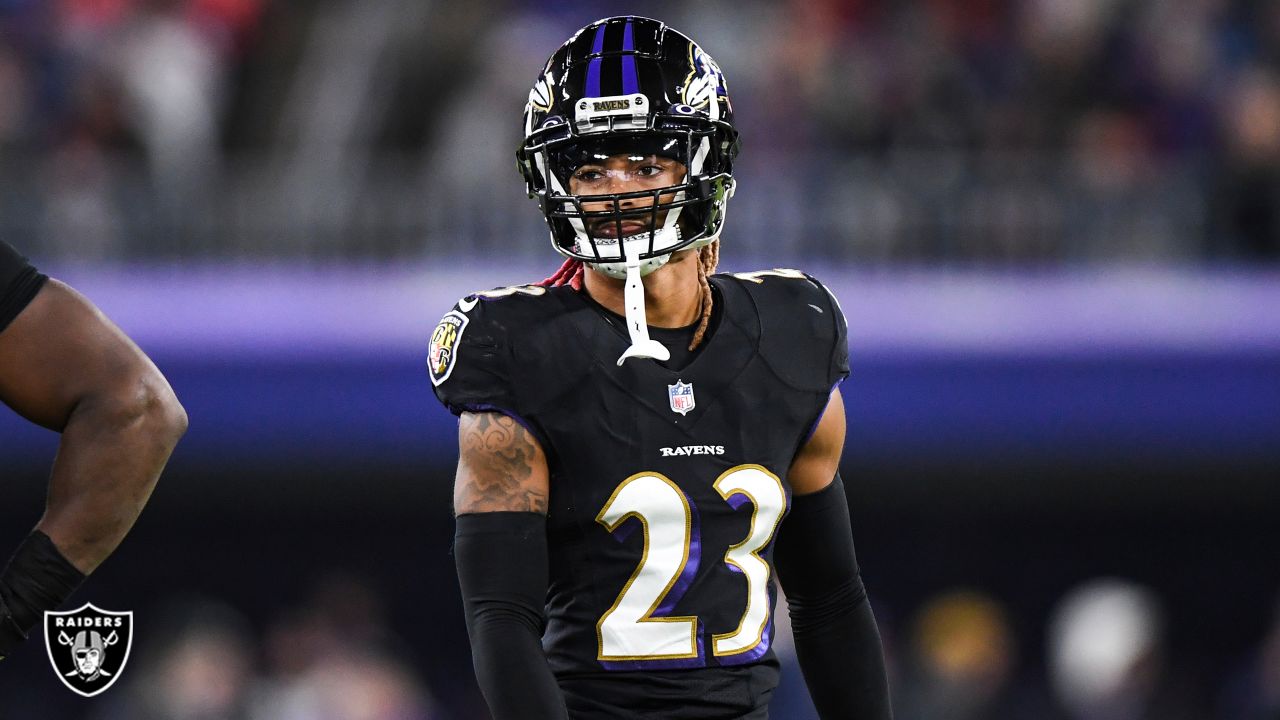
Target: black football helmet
{"points": [[630, 85]]}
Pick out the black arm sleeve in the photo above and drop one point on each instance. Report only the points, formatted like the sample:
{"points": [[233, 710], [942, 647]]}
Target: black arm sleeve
{"points": [[19, 283], [837, 641], [502, 569], [37, 578]]}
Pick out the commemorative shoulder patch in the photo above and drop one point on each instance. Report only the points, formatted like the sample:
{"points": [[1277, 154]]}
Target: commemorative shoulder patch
{"points": [[443, 350]]}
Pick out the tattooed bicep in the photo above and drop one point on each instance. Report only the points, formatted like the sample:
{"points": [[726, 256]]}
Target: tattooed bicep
{"points": [[500, 466]]}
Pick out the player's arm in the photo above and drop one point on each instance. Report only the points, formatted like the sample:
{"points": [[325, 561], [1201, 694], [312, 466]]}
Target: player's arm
{"points": [[500, 497], [65, 366], [837, 641]]}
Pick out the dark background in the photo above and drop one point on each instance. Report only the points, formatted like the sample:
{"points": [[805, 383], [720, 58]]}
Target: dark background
{"points": [[300, 478], [1053, 227]]}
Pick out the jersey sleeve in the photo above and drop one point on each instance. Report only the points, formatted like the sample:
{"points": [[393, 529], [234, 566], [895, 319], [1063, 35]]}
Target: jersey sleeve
{"points": [[19, 283], [839, 369], [803, 335], [469, 360]]}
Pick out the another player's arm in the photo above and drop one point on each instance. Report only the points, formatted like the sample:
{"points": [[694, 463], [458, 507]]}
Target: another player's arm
{"points": [[837, 641], [500, 497], [65, 366]]}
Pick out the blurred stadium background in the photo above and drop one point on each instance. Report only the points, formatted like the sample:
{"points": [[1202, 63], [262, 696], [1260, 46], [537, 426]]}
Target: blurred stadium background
{"points": [[1054, 226]]}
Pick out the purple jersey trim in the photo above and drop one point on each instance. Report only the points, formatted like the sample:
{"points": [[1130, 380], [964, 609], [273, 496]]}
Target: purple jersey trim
{"points": [[766, 638], [814, 427], [698, 661], [460, 408], [690, 572]]}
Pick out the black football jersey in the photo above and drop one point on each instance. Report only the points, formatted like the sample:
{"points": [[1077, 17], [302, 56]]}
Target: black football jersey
{"points": [[667, 485], [19, 283]]}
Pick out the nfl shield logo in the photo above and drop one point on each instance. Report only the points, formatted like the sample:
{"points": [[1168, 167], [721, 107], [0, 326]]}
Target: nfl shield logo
{"points": [[681, 397], [88, 647]]}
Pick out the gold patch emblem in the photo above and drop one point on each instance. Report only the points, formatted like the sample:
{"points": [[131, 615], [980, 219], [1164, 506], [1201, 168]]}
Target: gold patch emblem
{"points": [[443, 352]]}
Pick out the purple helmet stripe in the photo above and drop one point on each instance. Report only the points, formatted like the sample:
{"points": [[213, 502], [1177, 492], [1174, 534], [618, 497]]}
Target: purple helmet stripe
{"points": [[630, 81], [593, 70]]}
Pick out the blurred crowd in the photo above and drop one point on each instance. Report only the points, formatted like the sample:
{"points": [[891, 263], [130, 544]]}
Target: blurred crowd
{"points": [[110, 108], [334, 658], [960, 655], [1091, 125], [1107, 657], [952, 130]]}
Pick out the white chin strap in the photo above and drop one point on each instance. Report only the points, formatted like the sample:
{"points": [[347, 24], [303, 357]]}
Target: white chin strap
{"points": [[642, 346]]}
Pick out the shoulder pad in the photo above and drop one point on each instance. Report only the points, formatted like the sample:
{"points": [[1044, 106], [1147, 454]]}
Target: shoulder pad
{"points": [[803, 334], [484, 351]]}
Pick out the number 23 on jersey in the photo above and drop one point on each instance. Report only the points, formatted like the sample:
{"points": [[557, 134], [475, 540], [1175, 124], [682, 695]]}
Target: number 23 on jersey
{"points": [[629, 630]]}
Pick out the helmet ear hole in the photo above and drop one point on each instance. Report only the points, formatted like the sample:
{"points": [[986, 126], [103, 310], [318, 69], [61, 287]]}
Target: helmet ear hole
{"points": [[629, 84]]}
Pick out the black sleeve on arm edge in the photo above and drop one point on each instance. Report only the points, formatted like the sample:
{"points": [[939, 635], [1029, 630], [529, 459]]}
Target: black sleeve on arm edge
{"points": [[837, 641], [502, 569], [19, 283], [37, 578]]}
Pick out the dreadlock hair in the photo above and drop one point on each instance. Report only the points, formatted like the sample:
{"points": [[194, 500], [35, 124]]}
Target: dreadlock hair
{"points": [[708, 259], [571, 272]]}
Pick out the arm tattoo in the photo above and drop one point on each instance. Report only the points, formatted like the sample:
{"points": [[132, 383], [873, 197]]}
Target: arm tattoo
{"points": [[501, 467]]}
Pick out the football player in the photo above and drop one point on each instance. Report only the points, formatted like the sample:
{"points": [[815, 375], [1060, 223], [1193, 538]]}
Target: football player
{"points": [[65, 366], [643, 442]]}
